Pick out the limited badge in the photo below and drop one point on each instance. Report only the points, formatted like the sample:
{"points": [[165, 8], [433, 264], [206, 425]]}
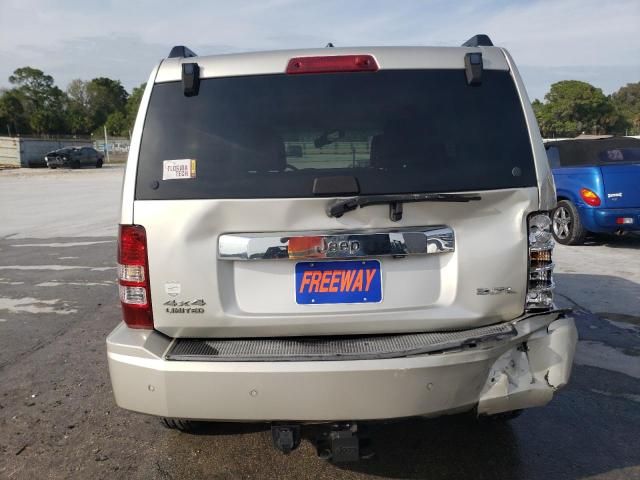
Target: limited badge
{"points": [[181, 169]]}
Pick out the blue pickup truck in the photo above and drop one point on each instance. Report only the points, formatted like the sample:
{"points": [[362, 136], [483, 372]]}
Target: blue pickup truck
{"points": [[598, 187]]}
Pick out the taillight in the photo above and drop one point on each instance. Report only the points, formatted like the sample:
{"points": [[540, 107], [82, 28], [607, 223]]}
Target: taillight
{"points": [[540, 286], [332, 64], [590, 197], [133, 277]]}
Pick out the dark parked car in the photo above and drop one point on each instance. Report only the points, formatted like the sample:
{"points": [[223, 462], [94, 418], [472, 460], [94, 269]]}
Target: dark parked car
{"points": [[74, 157], [597, 184]]}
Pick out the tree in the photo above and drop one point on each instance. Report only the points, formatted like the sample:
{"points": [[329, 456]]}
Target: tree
{"points": [[31, 81], [572, 107], [13, 118], [117, 124], [50, 115], [105, 96], [42, 102], [627, 103], [35, 104], [133, 104], [79, 119]]}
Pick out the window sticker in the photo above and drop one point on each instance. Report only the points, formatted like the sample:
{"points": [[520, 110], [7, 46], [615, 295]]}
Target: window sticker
{"points": [[178, 169], [615, 155]]}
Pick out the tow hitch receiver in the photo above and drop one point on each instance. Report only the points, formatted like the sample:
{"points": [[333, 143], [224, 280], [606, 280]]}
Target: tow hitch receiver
{"points": [[341, 443], [286, 438], [338, 443]]}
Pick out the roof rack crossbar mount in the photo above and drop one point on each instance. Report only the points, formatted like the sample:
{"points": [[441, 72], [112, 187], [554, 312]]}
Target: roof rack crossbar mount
{"points": [[480, 40], [180, 51]]}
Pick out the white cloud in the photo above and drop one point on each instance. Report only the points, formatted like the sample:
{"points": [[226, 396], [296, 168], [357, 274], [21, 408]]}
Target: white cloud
{"points": [[571, 33]]}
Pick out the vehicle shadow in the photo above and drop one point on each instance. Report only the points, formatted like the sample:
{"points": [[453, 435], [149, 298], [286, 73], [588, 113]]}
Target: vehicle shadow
{"points": [[629, 240], [571, 438], [210, 429], [452, 447], [600, 294]]}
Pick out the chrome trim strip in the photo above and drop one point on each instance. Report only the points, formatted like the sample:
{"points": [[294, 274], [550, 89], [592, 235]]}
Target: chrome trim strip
{"points": [[336, 245]]}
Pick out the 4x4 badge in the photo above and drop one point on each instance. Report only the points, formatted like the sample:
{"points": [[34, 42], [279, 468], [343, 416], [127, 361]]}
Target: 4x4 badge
{"points": [[185, 306], [185, 303]]}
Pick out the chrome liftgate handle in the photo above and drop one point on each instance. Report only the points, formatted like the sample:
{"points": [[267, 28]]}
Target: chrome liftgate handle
{"points": [[336, 245]]}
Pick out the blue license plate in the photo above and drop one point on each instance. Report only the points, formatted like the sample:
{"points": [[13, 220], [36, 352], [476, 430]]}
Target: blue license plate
{"points": [[357, 281]]}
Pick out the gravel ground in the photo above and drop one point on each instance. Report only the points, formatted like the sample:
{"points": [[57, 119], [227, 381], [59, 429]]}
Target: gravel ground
{"points": [[58, 419]]}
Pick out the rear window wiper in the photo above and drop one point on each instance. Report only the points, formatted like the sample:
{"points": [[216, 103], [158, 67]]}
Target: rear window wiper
{"points": [[340, 207]]}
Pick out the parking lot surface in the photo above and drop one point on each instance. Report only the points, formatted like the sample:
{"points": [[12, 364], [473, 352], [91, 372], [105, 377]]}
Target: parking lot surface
{"points": [[58, 419]]}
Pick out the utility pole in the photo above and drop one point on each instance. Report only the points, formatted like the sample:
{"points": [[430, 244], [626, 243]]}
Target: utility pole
{"points": [[106, 144]]}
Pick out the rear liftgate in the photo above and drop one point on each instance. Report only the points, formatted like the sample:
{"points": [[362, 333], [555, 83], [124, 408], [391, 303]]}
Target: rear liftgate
{"points": [[339, 442]]}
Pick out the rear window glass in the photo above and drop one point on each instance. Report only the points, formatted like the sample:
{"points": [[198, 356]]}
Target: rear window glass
{"points": [[553, 155], [606, 151], [395, 131], [620, 155]]}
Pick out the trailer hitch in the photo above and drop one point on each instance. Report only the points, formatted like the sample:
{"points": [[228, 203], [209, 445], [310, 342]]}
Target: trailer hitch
{"points": [[341, 443], [286, 438], [338, 442]]}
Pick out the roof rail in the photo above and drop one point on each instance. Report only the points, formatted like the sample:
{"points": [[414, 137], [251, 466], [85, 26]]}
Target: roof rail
{"points": [[180, 51], [480, 40]]}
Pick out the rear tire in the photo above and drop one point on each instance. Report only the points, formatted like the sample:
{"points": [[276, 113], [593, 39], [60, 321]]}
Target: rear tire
{"points": [[186, 426], [99, 163], [566, 226]]}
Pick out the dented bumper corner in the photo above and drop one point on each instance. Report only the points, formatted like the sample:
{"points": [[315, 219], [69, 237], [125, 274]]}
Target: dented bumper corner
{"points": [[529, 374]]}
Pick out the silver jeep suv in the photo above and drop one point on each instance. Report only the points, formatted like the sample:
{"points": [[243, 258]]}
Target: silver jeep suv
{"points": [[337, 235]]}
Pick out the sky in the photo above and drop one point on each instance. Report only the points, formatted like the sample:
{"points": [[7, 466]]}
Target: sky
{"points": [[589, 40]]}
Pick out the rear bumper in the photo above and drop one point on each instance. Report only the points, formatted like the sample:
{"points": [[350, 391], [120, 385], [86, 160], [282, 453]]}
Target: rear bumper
{"points": [[603, 220], [507, 374]]}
